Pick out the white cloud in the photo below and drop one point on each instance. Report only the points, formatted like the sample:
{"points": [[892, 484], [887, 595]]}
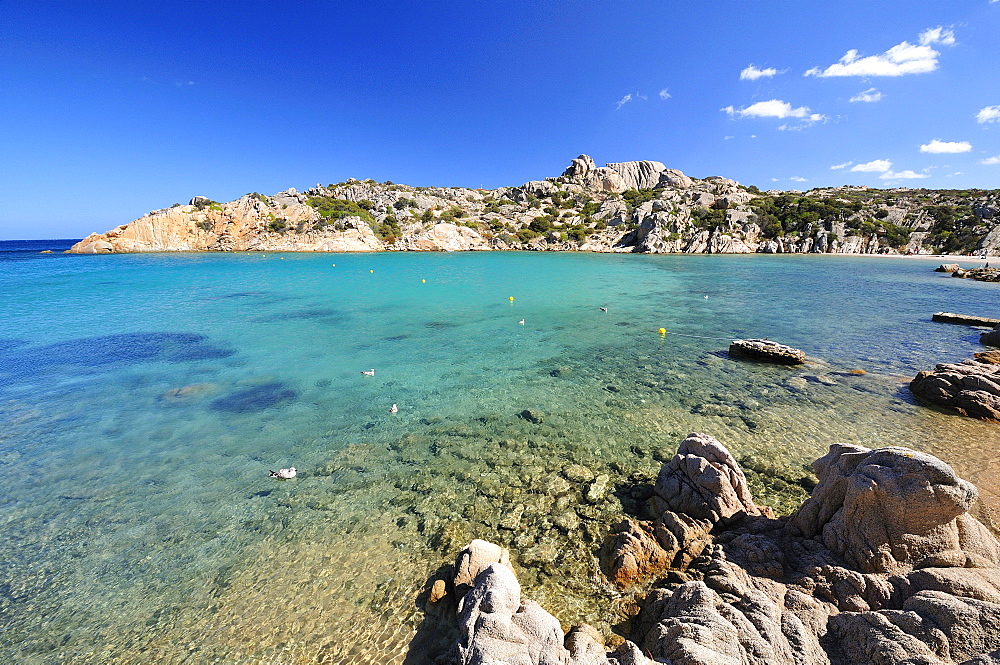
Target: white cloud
{"points": [[875, 166], [990, 160], [751, 73], [773, 108], [623, 101], [938, 35], [902, 175], [903, 58], [837, 167], [869, 95], [989, 113], [664, 94], [799, 179], [939, 147], [727, 138]]}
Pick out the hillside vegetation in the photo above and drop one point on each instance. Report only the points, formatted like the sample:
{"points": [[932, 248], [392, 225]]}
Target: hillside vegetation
{"points": [[624, 207]]}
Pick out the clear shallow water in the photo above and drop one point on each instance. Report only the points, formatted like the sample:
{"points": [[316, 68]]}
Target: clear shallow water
{"points": [[143, 398]]}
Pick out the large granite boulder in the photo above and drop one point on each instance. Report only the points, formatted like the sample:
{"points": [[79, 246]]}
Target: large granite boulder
{"points": [[971, 388], [700, 486], [883, 564], [704, 481], [497, 626], [893, 510]]}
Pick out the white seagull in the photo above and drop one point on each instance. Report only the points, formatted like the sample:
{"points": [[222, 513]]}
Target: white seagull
{"points": [[393, 409], [283, 474], [368, 372], [521, 322]]}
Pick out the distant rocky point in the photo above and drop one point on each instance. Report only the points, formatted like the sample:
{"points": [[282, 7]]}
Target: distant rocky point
{"points": [[620, 207]]}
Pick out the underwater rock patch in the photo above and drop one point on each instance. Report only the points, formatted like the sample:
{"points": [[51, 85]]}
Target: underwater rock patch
{"points": [[255, 398], [116, 350]]}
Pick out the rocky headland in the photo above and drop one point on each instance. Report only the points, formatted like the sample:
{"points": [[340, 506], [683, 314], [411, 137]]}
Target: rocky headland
{"points": [[882, 564], [620, 207]]}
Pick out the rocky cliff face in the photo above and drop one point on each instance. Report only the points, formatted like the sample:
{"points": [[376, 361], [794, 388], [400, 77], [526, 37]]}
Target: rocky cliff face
{"points": [[621, 207]]}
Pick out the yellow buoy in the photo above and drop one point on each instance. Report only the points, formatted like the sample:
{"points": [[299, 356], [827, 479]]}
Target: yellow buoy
{"points": [[371, 271], [511, 298], [663, 331], [423, 281], [333, 265]]}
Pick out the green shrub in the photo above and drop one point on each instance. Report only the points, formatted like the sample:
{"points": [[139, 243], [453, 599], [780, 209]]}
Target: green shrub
{"points": [[636, 197], [524, 235], [333, 209], [707, 218], [541, 224]]}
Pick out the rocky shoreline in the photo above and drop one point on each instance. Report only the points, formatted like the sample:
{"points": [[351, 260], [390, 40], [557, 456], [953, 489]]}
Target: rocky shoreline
{"points": [[882, 564], [638, 206]]}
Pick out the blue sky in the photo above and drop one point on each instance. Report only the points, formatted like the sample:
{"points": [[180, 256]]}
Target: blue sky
{"points": [[112, 109]]}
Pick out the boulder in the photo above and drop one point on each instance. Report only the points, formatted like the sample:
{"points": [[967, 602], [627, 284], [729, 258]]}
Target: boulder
{"points": [[766, 351], [703, 481], [883, 564], [972, 388], [991, 338], [964, 319], [497, 626], [579, 167], [474, 559], [892, 510], [947, 267]]}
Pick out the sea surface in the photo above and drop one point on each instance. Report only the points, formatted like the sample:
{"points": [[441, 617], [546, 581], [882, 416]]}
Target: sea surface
{"points": [[144, 399]]}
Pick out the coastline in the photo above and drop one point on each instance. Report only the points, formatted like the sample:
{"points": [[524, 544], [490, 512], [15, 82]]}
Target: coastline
{"points": [[322, 560]]}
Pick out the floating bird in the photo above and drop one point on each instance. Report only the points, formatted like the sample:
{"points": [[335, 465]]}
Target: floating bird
{"points": [[368, 372], [603, 309], [393, 409], [521, 322], [283, 474]]}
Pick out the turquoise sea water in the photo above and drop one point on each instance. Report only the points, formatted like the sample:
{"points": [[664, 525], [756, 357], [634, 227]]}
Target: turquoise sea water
{"points": [[144, 398]]}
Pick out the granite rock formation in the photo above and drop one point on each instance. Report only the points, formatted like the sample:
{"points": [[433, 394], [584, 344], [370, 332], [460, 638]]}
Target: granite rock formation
{"points": [[766, 351], [640, 206], [882, 564], [971, 387]]}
